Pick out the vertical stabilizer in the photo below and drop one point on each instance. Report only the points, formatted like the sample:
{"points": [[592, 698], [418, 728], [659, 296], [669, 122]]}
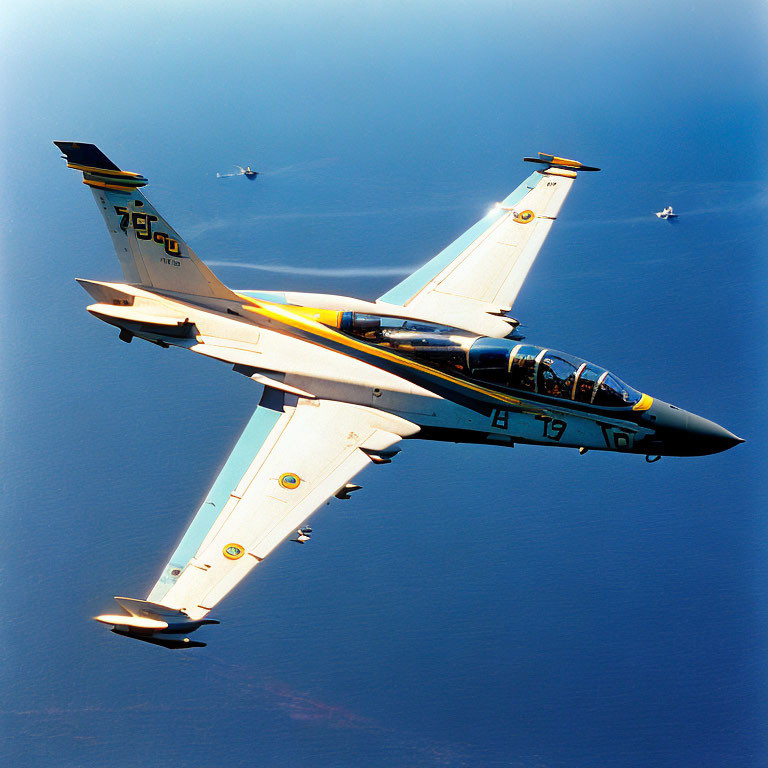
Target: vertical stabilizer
{"points": [[150, 251]]}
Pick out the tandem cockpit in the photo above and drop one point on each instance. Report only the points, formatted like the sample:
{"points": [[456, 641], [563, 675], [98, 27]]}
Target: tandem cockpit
{"points": [[499, 362]]}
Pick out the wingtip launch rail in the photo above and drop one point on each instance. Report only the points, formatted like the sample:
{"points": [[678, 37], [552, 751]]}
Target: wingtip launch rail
{"points": [[563, 163], [154, 623], [98, 170]]}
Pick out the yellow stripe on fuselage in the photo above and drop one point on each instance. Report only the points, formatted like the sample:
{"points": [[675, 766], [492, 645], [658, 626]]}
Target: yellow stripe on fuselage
{"points": [[297, 320]]}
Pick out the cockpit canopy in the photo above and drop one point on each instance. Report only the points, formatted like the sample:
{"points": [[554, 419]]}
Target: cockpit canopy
{"points": [[499, 362], [547, 372]]}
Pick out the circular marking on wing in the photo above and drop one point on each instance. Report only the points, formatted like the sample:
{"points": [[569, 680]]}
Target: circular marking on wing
{"points": [[289, 480], [176, 572], [524, 217], [233, 551]]}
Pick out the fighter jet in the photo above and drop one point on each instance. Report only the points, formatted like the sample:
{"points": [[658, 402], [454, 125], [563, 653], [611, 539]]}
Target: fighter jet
{"points": [[344, 381], [247, 172]]}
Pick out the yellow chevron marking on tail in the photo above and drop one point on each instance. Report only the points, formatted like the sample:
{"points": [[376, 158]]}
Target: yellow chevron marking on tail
{"points": [[104, 171], [102, 185]]}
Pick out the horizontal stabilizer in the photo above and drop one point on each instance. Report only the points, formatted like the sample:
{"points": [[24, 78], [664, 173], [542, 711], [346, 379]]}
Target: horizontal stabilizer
{"points": [[136, 315], [559, 162]]}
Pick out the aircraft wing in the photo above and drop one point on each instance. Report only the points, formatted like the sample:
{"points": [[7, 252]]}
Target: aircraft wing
{"points": [[289, 460], [481, 273]]}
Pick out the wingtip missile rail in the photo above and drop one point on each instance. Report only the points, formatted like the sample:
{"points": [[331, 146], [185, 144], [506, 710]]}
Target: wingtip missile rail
{"points": [[154, 623], [563, 163]]}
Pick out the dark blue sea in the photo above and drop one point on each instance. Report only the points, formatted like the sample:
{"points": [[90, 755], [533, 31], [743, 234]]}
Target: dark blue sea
{"points": [[472, 606]]}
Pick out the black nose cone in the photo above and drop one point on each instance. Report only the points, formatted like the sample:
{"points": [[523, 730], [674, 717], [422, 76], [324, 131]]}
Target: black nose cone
{"points": [[704, 436], [680, 433]]}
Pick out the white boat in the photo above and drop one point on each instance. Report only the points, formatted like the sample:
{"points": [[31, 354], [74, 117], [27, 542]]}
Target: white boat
{"points": [[303, 535], [667, 213]]}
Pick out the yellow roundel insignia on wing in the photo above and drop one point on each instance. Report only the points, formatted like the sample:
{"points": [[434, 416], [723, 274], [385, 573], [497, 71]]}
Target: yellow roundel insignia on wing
{"points": [[233, 551], [524, 217], [289, 480]]}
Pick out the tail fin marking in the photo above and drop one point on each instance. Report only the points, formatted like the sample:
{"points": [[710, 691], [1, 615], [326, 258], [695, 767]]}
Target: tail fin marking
{"points": [[150, 251]]}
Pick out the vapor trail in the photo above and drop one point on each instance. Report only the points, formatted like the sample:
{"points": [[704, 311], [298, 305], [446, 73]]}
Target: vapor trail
{"points": [[288, 269]]}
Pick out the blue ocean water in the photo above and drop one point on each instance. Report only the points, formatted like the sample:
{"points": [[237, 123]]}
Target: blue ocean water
{"points": [[472, 605]]}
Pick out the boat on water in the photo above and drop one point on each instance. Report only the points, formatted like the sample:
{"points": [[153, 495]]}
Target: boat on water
{"points": [[667, 213]]}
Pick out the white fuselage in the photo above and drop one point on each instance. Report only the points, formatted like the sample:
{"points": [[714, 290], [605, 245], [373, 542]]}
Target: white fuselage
{"points": [[271, 356]]}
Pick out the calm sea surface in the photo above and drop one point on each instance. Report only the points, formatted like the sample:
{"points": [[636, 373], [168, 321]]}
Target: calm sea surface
{"points": [[472, 606]]}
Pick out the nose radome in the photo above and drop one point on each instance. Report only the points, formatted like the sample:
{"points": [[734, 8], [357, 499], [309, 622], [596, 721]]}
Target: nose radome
{"points": [[686, 434], [710, 437]]}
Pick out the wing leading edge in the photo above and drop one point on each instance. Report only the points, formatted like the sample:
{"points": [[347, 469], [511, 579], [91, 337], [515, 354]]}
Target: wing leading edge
{"points": [[289, 460], [481, 272]]}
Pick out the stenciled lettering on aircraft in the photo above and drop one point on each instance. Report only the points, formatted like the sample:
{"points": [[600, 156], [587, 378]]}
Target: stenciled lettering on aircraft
{"points": [[553, 429], [615, 438], [141, 223], [500, 419]]}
